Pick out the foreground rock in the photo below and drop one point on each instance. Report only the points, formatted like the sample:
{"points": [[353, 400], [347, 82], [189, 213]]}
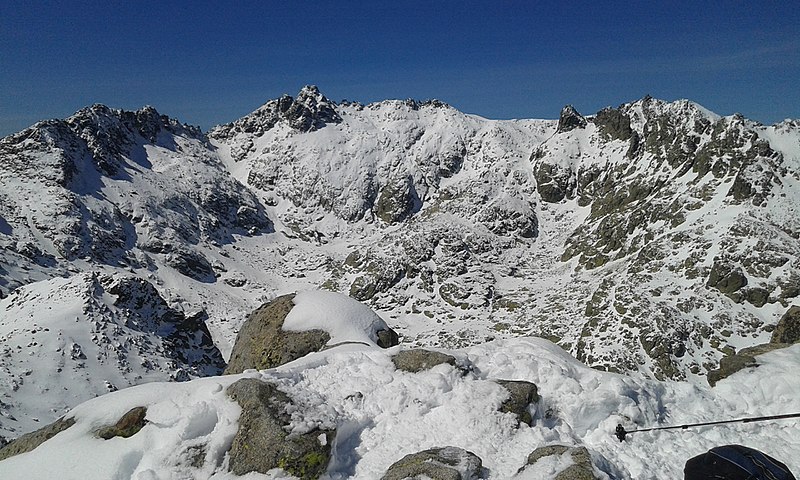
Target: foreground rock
{"points": [[127, 426], [262, 442], [418, 360], [263, 342], [522, 395], [580, 469], [448, 463], [786, 333], [29, 441], [788, 328]]}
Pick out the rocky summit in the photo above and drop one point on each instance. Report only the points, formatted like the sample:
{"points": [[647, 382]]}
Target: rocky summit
{"points": [[654, 237]]}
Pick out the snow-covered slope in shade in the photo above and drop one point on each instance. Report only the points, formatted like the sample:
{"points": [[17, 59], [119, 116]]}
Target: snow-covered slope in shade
{"points": [[382, 414], [67, 340]]}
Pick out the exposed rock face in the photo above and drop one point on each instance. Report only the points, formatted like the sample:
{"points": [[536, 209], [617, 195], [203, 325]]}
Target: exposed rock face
{"points": [[29, 441], [786, 333], [387, 338], [581, 469], [262, 442], [523, 394], [570, 119], [725, 278], [788, 328], [613, 124], [397, 201], [308, 112], [447, 463], [262, 343], [554, 182], [418, 359], [127, 426]]}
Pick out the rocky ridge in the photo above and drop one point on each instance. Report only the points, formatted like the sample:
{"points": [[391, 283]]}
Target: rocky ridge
{"points": [[661, 224]]}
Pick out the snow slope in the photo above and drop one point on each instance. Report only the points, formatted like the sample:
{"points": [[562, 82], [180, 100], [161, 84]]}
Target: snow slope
{"points": [[67, 340], [381, 414]]}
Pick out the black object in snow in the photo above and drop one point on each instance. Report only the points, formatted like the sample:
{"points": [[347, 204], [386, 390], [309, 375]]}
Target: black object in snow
{"points": [[735, 462]]}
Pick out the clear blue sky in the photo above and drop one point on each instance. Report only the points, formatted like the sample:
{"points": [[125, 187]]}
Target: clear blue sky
{"points": [[212, 62]]}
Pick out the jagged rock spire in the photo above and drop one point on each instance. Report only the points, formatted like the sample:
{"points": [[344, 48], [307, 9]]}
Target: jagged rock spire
{"points": [[570, 119]]}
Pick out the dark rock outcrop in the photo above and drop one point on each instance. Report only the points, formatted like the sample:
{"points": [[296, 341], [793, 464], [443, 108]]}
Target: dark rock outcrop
{"points": [[522, 394], [447, 463], [613, 124], [581, 469], [29, 441], [127, 426], [262, 442], [788, 328], [387, 338], [396, 201], [554, 182], [308, 112], [261, 343], [570, 119], [418, 359], [726, 278], [191, 264]]}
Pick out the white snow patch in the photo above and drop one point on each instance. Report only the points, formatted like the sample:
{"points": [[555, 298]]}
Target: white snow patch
{"points": [[345, 319]]}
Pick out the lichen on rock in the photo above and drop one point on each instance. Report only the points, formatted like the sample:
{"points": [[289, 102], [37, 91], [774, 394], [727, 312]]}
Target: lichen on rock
{"points": [[262, 442]]}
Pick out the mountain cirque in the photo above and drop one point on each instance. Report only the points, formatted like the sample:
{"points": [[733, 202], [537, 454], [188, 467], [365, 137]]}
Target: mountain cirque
{"points": [[654, 237]]}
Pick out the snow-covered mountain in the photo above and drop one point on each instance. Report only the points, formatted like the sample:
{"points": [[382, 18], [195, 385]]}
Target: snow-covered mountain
{"points": [[654, 237]]}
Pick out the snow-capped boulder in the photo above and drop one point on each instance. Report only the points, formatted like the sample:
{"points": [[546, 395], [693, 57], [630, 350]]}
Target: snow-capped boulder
{"points": [[292, 326], [570, 463], [262, 442], [445, 463], [262, 343]]}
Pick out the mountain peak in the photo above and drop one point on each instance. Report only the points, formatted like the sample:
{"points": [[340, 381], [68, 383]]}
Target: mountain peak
{"points": [[309, 111], [570, 119]]}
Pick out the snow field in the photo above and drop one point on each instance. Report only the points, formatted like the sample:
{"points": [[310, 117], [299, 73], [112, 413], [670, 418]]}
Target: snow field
{"points": [[382, 414]]}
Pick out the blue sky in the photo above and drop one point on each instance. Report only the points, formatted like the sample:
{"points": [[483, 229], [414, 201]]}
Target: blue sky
{"points": [[207, 63]]}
